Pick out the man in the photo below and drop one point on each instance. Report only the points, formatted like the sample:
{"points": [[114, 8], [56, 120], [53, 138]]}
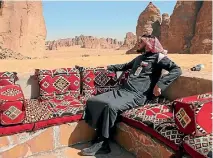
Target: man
{"points": [[143, 82]]}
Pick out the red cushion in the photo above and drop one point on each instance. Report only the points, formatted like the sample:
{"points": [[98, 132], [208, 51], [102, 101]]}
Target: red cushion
{"points": [[66, 107], [124, 77], [98, 80], [83, 98], [11, 93], [12, 112], [8, 78], [194, 116], [195, 97], [198, 147], [151, 115], [58, 81], [35, 111]]}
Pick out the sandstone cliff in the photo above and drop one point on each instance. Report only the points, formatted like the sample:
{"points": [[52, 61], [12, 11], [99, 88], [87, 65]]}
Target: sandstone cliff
{"points": [[85, 42], [187, 30], [148, 23], [22, 27], [202, 40], [182, 26], [129, 41], [164, 30]]}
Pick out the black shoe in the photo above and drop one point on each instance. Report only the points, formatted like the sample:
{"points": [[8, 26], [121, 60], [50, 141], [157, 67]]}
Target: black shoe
{"points": [[100, 147]]}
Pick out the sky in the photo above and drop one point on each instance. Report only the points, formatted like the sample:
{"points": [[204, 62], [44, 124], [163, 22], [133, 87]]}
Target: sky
{"points": [[67, 19]]}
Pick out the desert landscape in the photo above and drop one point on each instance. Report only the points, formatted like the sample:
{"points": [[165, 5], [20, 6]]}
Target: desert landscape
{"points": [[186, 34]]}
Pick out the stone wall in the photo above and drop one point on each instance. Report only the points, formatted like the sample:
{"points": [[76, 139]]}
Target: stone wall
{"points": [[43, 143]]}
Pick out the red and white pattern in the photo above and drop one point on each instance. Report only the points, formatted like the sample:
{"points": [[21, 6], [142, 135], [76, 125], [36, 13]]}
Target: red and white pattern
{"points": [[58, 82], [66, 107], [98, 80], [199, 97], [202, 145], [194, 116], [150, 114], [12, 112], [8, 78], [153, 44], [83, 98], [124, 77], [11, 93]]}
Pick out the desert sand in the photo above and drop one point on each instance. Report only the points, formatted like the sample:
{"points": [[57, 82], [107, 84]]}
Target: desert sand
{"points": [[69, 57]]}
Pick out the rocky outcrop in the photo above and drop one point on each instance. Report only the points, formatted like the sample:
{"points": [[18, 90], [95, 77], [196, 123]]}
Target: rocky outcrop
{"points": [[148, 23], [182, 26], [187, 30], [85, 42], [22, 27], [202, 40], [9, 54], [129, 41], [164, 30]]}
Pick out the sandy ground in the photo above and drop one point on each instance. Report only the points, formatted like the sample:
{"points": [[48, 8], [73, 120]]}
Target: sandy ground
{"points": [[93, 57]]}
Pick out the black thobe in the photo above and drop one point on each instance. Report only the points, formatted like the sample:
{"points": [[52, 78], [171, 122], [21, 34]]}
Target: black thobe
{"points": [[101, 111]]}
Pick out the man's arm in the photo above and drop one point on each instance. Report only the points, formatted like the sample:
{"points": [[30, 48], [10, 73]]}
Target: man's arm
{"points": [[121, 67], [174, 73]]}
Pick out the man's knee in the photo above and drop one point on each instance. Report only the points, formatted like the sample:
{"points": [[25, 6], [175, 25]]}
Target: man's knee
{"points": [[96, 101]]}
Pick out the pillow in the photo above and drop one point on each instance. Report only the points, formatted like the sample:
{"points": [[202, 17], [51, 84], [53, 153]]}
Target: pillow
{"points": [[58, 82]]}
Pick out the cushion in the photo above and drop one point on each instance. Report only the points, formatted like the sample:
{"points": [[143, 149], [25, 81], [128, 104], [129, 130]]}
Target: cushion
{"points": [[98, 80], [12, 112], [193, 115], [83, 98], [123, 78], [11, 93], [8, 78], [12, 105], [170, 131], [35, 111], [58, 81], [149, 118], [199, 146], [63, 107], [150, 114]]}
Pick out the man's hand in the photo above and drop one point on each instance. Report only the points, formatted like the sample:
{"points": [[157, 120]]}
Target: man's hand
{"points": [[157, 91]]}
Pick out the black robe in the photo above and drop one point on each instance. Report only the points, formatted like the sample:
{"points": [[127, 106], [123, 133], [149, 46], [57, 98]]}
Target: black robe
{"points": [[101, 111]]}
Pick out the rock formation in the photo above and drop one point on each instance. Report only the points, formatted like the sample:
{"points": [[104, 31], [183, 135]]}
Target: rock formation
{"points": [[182, 26], [164, 30], [9, 54], [187, 30], [22, 27], [148, 23], [202, 40], [85, 42], [129, 41]]}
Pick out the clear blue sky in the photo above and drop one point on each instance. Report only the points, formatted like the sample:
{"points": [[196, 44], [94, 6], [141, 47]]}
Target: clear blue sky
{"points": [[100, 19]]}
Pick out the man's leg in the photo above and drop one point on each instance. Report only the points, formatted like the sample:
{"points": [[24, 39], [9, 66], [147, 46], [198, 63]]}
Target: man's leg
{"points": [[100, 143], [102, 111]]}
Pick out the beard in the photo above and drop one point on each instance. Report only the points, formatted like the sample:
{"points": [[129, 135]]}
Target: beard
{"points": [[141, 50]]}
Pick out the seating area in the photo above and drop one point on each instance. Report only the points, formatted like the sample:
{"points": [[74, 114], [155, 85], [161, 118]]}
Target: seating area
{"points": [[157, 129]]}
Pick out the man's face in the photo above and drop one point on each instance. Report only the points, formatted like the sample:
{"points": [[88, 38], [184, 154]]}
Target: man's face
{"points": [[141, 47]]}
